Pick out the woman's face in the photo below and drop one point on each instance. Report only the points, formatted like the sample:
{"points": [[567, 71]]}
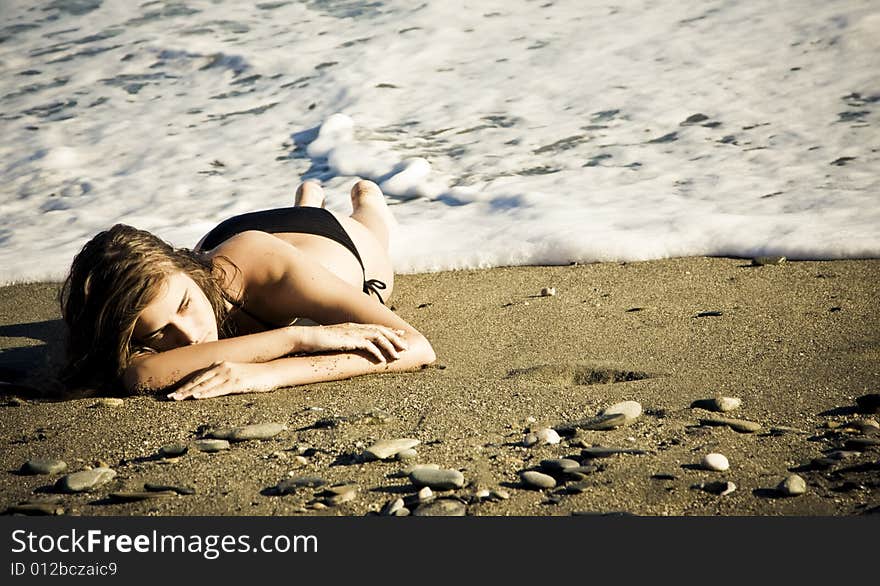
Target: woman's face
{"points": [[180, 315]]}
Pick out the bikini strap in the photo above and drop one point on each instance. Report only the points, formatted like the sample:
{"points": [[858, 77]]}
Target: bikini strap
{"points": [[373, 286]]}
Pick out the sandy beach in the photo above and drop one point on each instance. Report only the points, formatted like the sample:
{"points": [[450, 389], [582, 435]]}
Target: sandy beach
{"points": [[797, 342]]}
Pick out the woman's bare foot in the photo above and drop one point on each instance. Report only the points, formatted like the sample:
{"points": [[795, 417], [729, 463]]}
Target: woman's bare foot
{"points": [[310, 194], [370, 209]]}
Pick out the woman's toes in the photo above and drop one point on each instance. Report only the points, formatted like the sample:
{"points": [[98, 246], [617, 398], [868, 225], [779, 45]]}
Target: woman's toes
{"points": [[310, 194]]}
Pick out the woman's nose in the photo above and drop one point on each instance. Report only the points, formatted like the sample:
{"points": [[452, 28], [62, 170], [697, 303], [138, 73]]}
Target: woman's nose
{"points": [[186, 334]]}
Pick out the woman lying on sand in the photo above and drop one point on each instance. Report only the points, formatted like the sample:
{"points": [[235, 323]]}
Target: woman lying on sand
{"points": [[221, 319]]}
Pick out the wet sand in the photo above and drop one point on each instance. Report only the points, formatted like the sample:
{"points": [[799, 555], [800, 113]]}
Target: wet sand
{"points": [[797, 342]]}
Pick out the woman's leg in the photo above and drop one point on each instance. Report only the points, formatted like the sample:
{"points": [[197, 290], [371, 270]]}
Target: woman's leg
{"points": [[310, 194], [370, 209]]}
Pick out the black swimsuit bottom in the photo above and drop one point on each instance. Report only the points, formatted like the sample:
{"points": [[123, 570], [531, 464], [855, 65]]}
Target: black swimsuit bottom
{"points": [[304, 220]]}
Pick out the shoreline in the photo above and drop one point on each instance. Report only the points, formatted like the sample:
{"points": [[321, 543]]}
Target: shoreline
{"points": [[797, 342]]}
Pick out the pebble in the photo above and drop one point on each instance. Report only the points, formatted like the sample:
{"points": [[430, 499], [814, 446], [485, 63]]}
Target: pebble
{"points": [[581, 472], [600, 423], [173, 450], [715, 461], [391, 507], [256, 431], [211, 445], [869, 403], [134, 496], [408, 454], [33, 509], [299, 461], [108, 402], [784, 429], [559, 465], [85, 480], [403, 512], [725, 404], [43, 466], [384, 449], [412, 468], [425, 494], [760, 261], [182, 490], [548, 436], [339, 493], [441, 508], [534, 479], [291, 485], [740, 425], [318, 506], [548, 291], [437, 479], [863, 426], [530, 439], [631, 410], [793, 485], [603, 452], [499, 494]]}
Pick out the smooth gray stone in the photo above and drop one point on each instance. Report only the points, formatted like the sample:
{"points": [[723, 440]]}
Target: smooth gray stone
{"points": [[603, 452], [725, 404], [599, 423], [43, 466], [558, 465], [182, 490], [441, 508], [86, 480], [384, 449], [291, 485], [256, 431], [740, 425], [437, 479], [173, 450], [134, 496], [211, 445], [539, 480], [581, 472]]}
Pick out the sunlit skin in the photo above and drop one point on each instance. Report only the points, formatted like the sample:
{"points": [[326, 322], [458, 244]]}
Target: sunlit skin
{"points": [[180, 315], [281, 277]]}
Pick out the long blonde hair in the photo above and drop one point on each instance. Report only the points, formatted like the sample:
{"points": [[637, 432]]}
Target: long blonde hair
{"points": [[111, 281]]}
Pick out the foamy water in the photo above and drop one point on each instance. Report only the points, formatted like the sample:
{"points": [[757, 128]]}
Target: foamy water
{"points": [[503, 132]]}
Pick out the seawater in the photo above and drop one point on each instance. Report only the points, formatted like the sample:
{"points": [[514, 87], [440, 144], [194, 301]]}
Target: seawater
{"points": [[503, 132]]}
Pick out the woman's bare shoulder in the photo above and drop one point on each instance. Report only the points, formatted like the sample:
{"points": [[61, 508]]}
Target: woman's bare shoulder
{"points": [[259, 257]]}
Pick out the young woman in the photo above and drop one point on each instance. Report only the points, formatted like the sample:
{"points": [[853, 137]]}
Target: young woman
{"points": [[226, 317]]}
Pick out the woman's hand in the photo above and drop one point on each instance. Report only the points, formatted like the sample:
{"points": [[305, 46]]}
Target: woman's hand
{"points": [[225, 378], [380, 342]]}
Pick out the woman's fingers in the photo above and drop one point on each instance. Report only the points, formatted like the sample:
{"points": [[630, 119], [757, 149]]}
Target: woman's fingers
{"points": [[372, 350], [387, 346], [198, 382]]}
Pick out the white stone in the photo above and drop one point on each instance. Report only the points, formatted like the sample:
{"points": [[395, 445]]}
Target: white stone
{"points": [[793, 485], [631, 410], [715, 461], [725, 404], [384, 449], [530, 439], [549, 436], [548, 291]]}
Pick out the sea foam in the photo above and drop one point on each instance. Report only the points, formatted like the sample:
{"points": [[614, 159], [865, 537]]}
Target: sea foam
{"points": [[503, 133]]}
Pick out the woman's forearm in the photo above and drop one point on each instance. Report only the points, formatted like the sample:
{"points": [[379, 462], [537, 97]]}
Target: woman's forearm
{"points": [[301, 370], [157, 371]]}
